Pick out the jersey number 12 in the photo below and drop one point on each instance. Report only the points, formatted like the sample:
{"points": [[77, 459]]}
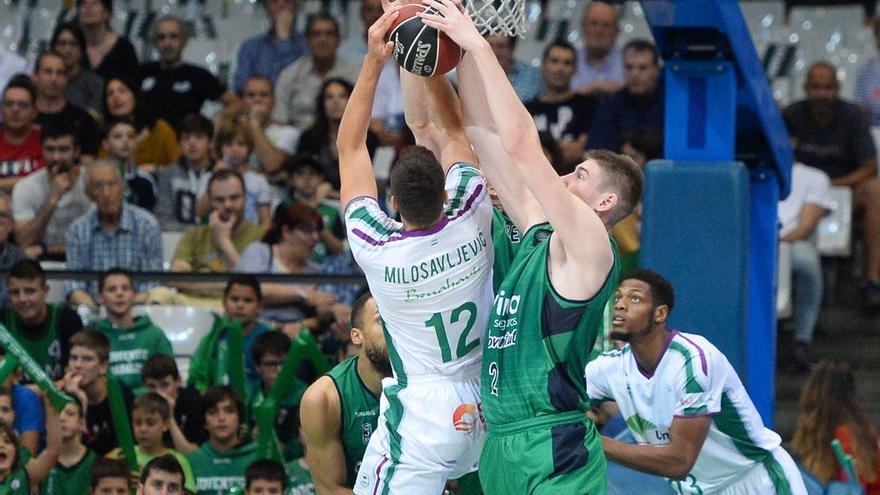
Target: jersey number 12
{"points": [[464, 347]]}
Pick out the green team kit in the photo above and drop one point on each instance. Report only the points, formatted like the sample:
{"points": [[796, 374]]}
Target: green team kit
{"points": [[217, 472], [360, 415], [44, 348], [73, 480], [131, 347]]}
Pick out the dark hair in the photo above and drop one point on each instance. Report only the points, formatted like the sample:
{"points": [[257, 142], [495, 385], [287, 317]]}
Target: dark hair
{"points": [[141, 117], [245, 279], [57, 129], [647, 141], [357, 310], [320, 130], [624, 177], [224, 174], [158, 366], [114, 121], [22, 81], [44, 54], [108, 468], [549, 143], [97, 342], [642, 45], [229, 131], [266, 470], [167, 463], [303, 161], [277, 343], [80, 407], [559, 43], [195, 123], [217, 394], [26, 269], [321, 16], [662, 292], [10, 433], [77, 32], [418, 185], [108, 4], [114, 271], [152, 402], [293, 216]]}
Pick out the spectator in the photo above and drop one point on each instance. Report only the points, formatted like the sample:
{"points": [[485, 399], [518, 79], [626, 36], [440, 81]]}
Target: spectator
{"points": [[70, 475], [638, 105], [157, 142], [266, 476], [20, 152], [566, 115], [300, 83], [308, 187], [286, 248], [113, 234], [320, 138], [50, 79], [180, 183], [45, 203], [84, 87], [150, 416], [120, 142], [22, 408], [868, 84], [86, 378], [834, 136], [109, 477], [525, 78], [268, 54], [22, 475], [108, 54], [170, 87], [10, 254], [830, 411], [10, 65], [600, 64], [44, 330], [165, 475], [160, 375]]}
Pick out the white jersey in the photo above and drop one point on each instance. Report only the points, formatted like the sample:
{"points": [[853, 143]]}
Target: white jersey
{"points": [[693, 378], [433, 287]]}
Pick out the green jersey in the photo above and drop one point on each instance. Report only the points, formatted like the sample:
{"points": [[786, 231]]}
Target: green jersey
{"points": [[538, 342], [131, 347], [299, 479], [216, 472], [17, 482], [44, 348], [505, 241], [360, 414], [73, 480]]}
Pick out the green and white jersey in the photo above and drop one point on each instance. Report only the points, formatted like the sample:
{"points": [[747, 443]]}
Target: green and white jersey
{"points": [[299, 479], [433, 287], [216, 472], [131, 347], [693, 378]]}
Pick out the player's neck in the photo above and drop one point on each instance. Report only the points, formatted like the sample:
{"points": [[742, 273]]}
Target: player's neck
{"points": [[369, 375], [648, 349]]}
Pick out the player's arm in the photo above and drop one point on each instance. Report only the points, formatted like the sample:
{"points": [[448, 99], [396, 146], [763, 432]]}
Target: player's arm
{"points": [[320, 416], [355, 165], [675, 460], [447, 115], [416, 114]]}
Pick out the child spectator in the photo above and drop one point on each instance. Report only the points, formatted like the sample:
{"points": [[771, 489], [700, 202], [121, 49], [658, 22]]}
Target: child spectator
{"points": [[110, 477], [22, 408], [132, 340], [220, 463], [264, 477], [20, 472], [306, 185], [70, 475], [160, 376], [86, 377], [120, 141], [163, 476], [150, 418], [299, 476]]}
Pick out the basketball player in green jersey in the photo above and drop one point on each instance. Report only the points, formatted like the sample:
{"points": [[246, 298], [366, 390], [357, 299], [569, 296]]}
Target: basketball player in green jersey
{"points": [[340, 410], [549, 306]]}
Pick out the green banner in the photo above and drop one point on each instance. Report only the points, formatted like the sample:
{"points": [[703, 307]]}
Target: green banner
{"points": [[121, 423], [32, 369]]}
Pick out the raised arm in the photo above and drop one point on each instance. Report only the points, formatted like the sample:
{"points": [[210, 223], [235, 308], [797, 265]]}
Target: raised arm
{"points": [[355, 165], [416, 113]]}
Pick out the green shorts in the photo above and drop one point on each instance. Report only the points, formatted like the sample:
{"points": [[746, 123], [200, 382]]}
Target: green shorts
{"points": [[560, 454]]}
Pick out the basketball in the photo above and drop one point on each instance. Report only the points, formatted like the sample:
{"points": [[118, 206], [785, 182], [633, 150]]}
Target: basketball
{"points": [[422, 50]]}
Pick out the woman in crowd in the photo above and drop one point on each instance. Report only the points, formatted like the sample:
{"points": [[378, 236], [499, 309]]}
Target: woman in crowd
{"points": [[84, 87], [829, 411], [108, 54], [156, 140], [320, 139]]}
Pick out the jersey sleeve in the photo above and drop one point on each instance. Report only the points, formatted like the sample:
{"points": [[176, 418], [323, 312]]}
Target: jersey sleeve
{"points": [[596, 376], [367, 226], [467, 190], [698, 384]]}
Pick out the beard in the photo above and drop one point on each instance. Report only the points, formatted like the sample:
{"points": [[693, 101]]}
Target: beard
{"points": [[378, 359], [620, 335]]}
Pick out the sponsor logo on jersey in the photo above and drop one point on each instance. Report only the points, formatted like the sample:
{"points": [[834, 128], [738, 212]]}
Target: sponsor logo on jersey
{"points": [[182, 87], [506, 309], [506, 340], [366, 432], [465, 417]]}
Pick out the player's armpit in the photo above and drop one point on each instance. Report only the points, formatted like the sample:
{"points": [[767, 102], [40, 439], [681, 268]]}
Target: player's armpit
{"points": [[320, 416]]}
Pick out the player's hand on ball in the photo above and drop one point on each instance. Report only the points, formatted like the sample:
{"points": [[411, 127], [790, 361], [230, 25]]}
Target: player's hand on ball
{"points": [[453, 20], [378, 46]]}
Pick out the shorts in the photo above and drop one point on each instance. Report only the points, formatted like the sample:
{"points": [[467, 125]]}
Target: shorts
{"points": [[559, 454], [430, 430], [777, 475]]}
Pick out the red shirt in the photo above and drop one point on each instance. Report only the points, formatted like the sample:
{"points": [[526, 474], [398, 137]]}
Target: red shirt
{"points": [[23, 159], [843, 434]]}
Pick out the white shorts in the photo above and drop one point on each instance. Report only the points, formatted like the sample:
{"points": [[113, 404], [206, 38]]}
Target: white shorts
{"points": [[759, 480], [430, 431]]}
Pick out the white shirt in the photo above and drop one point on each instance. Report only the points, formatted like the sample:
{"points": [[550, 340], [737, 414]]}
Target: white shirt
{"points": [[808, 185], [31, 192]]}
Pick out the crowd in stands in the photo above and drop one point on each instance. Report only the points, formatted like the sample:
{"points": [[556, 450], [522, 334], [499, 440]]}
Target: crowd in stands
{"points": [[100, 155]]}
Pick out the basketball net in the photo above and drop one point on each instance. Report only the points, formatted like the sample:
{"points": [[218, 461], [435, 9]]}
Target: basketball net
{"points": [[498, 17]]}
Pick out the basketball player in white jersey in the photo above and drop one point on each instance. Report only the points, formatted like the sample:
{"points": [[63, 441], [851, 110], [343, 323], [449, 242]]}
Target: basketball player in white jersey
{"points": [[430, 275], [692, 419]]}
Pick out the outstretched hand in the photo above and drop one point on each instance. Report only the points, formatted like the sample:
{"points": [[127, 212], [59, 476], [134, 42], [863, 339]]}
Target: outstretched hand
{"points": [[378, 47], [453, 20]]}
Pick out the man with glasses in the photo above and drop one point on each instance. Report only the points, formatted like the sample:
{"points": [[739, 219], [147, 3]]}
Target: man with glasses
{"points": [[20, 151]]}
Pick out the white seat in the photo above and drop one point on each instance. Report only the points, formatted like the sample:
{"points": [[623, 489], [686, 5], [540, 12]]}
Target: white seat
{"points": [[169, 244], [833, 234], [183, 325], [783, 281], [56, 286], [210, 54]]}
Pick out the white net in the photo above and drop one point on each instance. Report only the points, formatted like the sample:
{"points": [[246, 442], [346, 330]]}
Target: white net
{"points": [[498, 17]]}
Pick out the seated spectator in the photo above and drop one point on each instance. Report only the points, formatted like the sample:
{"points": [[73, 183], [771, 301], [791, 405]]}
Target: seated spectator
{"points": [[11, 64], [10, 254], [267, 476], [120, 141], [566, 115], [307, 186], [268, 54], [242, 301], [132, 340], [150, 416], [834, 136], [868, 84], [830, 411], [70, 474], [639, 104], [22, 475], [320, 138], [108, 54], [600, 63], [160, 376], [287, 248], [45, 203], [300, 83], [86, 378], [44, 330], [182, 182], [20, 151], [22, 408], [84, 87], [157, 142], [113, 234], [50, 79], [109, 477], [164, 475], [525, 78]]}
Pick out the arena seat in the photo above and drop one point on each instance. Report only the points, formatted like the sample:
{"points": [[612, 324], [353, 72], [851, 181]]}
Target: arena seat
{"points": [[56, 286], [184, 326], [169, 244], [210, 54], [834, 232], [783, 281]]}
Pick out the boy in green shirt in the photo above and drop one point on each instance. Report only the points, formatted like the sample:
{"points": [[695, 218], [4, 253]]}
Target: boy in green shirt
{"points": [[266, 477], [149, 418], [70, 475], [132, 340], [109, 477]]}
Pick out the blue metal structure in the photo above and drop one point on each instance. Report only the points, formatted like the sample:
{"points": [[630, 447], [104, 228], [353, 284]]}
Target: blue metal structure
{"points": [[710, 209]]}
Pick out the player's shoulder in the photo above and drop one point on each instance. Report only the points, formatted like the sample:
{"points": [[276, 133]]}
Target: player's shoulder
{"points": [[320, 401], [696, 350], [609, 359]]}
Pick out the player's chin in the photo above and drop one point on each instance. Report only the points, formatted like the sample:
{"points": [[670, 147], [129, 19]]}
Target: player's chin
{"points": [[619, 334]]}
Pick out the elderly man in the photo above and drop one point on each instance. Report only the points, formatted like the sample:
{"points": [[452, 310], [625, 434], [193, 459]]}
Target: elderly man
{"points": [[600, 63], [20, 151], [113, 234], [268, 54]]}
